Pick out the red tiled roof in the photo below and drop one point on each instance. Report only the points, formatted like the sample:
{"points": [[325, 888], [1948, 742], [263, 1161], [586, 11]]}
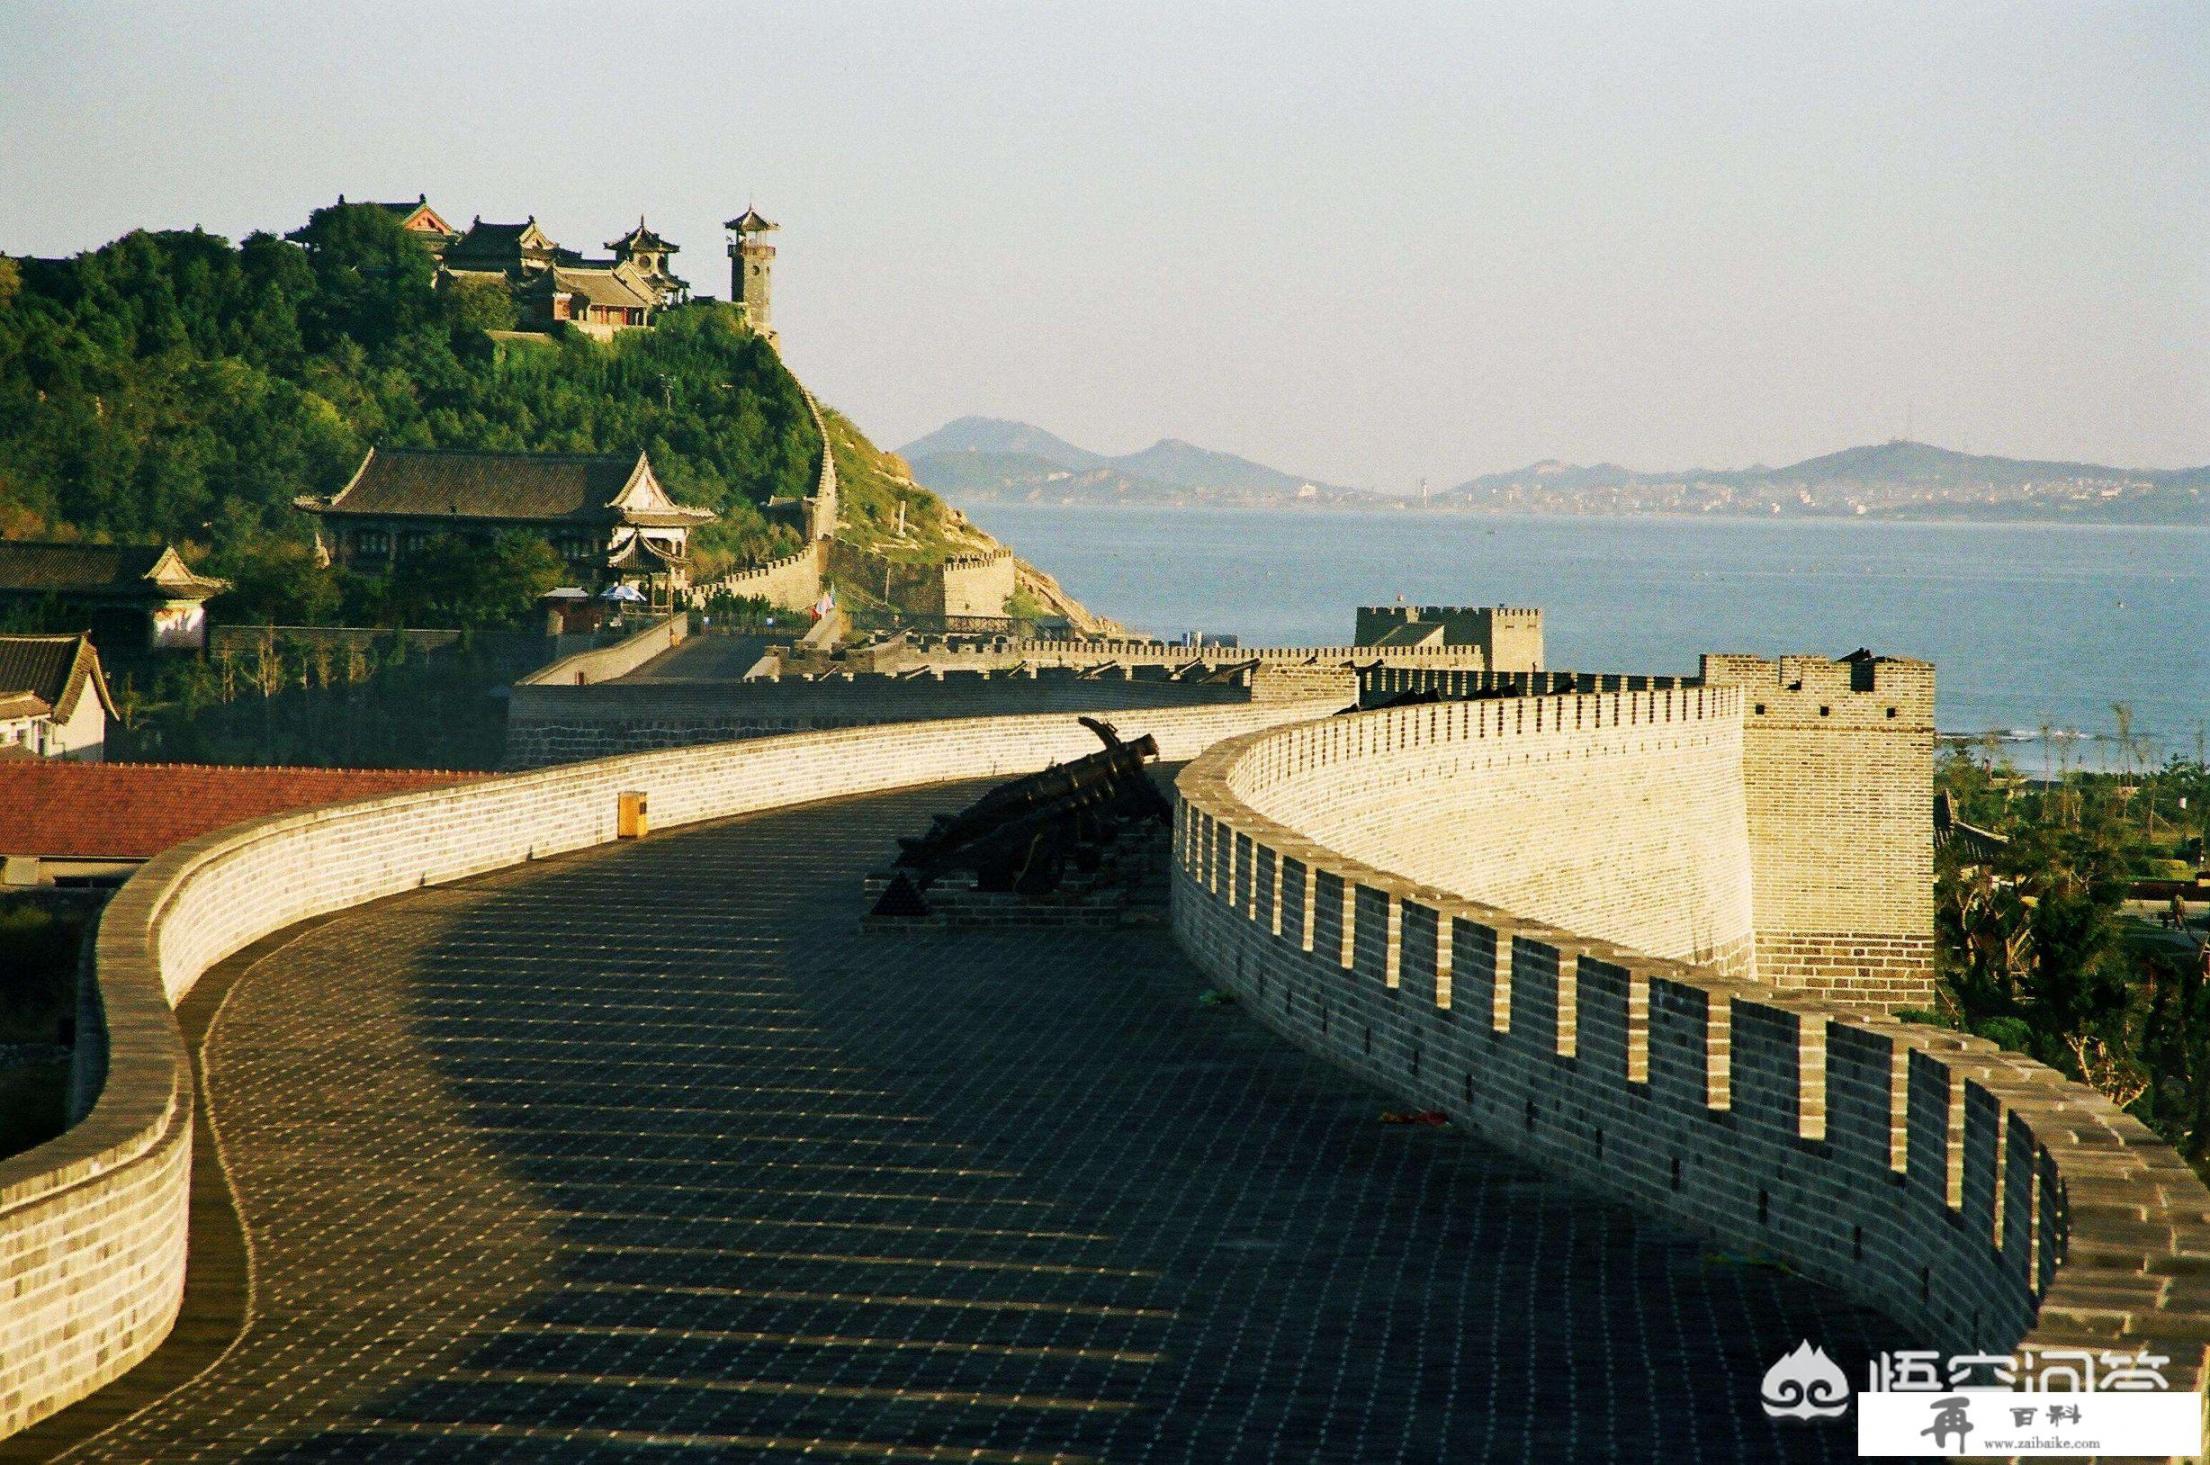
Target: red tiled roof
{"points": [[133, 811]]}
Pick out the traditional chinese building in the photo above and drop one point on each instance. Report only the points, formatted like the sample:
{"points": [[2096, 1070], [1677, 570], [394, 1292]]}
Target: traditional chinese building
{"points": [[54, 701], [605, 513], [417, 218], [553, 285], [133, 596], [752, 270]]}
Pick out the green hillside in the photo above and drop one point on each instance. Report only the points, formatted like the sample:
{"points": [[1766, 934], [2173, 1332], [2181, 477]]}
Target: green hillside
{"points": [[176, 386]]}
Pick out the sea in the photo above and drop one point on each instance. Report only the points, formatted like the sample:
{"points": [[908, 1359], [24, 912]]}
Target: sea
{"points": [[2038, 632]]}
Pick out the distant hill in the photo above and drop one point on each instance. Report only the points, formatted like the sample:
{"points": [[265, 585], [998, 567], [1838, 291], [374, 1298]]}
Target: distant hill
{"points": [[1890, 480], [997, 436], [991, 460]]}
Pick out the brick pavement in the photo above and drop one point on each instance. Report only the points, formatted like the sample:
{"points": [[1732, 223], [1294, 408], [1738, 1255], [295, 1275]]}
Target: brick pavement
{"points": [[647, 1151]]}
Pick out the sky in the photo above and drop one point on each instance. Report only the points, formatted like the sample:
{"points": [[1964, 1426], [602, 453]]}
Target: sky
{"points": [[1366, 244]]}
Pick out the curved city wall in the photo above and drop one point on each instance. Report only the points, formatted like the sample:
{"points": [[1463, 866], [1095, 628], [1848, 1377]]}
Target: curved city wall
{"points": [[1975, 1196], [1641, 837], [93, 1224]]}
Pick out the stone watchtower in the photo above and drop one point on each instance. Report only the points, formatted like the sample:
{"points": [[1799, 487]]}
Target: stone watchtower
{"points": [[751, 262], [1838, 773]]}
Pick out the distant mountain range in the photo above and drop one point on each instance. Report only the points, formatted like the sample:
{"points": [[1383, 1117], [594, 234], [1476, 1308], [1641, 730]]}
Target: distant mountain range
{"points": [[1886, 480], [989, 460]]}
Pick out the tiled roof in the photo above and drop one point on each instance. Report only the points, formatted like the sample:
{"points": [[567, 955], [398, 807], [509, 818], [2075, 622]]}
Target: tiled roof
{"points": [[133, 811], [602, 287], [751, 221], [507, 243], [1412, 633], [54, 669], [1974, 845], [535, 487], [44, 567], [642, 237]]}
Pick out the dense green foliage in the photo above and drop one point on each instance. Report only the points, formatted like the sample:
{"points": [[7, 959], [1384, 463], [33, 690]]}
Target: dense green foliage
{"points": [[343, 700], [2041, 951], [879, 496], [175, 386]]}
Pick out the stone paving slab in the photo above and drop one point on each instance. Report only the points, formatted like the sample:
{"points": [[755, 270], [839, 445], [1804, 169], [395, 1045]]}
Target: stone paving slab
{"points": [[647, 1151]]}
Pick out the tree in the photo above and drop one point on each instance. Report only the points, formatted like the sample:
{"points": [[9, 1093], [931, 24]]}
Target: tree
{"points": [[274, 582], [479, 305], [453, 581]]}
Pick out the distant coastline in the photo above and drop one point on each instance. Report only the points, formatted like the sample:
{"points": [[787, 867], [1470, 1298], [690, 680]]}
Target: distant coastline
{"points": [[981, 460], [968, 503]]}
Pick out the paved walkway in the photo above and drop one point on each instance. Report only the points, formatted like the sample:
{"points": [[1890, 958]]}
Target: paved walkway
{"points": [[711, 657], [648, 1152]]}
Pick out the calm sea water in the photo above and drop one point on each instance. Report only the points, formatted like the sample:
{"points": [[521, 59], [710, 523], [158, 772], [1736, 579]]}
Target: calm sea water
{"points": [[2026, 624]]}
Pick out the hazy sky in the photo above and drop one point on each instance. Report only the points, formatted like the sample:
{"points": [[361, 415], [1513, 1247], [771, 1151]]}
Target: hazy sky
{"points": [[1367, 244]]}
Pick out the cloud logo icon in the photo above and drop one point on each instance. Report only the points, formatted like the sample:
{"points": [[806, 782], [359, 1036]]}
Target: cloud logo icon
{"points": [[1805, 1384]]}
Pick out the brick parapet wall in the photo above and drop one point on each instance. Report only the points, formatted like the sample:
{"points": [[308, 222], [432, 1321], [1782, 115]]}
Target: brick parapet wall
{"points": [[1640, 836], [1379, 681], [586, 668], [561, 724], [93, 1224], [1975, 1196], [790, 583], [1010, 651]]}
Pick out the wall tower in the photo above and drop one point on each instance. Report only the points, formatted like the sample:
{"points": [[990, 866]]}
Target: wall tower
{"points": [[751, 267], [1838, 769]]}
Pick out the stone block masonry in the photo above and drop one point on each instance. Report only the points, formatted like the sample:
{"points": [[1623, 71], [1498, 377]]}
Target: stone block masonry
{"points": [[1838, 774], [1971, 1194], [1615, 814], [561, 723], [1508, 638], [790, 583], [93, 1224]]}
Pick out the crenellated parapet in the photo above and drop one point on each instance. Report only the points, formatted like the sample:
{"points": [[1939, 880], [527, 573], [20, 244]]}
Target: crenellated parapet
{"points": [[1970, 1193]]}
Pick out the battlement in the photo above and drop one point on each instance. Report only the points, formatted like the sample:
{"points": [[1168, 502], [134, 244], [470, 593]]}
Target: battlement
{"points": [[1507, 638], [1970, 1193], [1854, 692], [792, 582]]}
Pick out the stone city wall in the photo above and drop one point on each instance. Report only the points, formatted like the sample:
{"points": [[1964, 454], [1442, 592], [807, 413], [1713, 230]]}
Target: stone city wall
{"points": [[1376, 682], [605, 663], [790, 583], [564, 724], [1618, 814], [93, 1224], [1971, 1194], [963, 586], [1007, 651]]}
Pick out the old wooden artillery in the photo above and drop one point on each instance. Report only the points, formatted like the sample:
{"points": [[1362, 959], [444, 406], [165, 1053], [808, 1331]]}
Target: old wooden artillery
{"points": [[1026, 835]]}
